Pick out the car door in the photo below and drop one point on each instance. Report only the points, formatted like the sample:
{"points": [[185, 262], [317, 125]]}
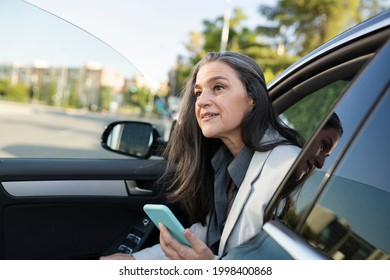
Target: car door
{"points": [[338, 212], [62, 196]]}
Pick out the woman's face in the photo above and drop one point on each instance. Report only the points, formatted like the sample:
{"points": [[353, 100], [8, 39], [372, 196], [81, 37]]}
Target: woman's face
{"points": [[321, 147], [221, 103]]}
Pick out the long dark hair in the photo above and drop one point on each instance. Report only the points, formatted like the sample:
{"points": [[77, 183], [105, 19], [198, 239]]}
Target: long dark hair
{"points": [[189, 153]]}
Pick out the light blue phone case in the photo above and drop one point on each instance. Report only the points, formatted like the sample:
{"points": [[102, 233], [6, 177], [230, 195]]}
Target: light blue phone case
{"points": [[159, 213]]}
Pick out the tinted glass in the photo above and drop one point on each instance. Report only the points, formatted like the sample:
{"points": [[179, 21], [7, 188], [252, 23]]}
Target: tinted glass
{"points": [[353, 211], [306, 115]]}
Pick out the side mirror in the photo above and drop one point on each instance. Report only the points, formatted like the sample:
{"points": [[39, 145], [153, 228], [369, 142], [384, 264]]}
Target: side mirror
{"points": [[136, 139]]}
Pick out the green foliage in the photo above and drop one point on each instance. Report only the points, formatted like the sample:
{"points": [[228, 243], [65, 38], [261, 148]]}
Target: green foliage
{"points": [[271, 63], [138, 99], [73, 100], [104, 98], [241, 39], [179, 76], [52, 91], [297, 28], [308, 113], [17, 92], [310, 23], [4, 85]]}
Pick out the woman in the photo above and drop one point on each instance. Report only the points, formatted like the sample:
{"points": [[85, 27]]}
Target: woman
{"points": [[229, 151]]}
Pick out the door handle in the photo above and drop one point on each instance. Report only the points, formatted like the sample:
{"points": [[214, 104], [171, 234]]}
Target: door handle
{"points": [[133, 188]]}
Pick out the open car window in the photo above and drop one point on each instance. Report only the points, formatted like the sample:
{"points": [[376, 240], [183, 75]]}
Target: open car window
{"points": [[60, 87]]}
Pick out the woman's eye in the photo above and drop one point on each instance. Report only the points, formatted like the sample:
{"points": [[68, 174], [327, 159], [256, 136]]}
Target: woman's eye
{"points": [[324, 147], [197, 93], [218, 87]]}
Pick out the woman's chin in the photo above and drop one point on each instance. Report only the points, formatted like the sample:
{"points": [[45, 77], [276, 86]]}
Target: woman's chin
{"points": [[208, 133]]}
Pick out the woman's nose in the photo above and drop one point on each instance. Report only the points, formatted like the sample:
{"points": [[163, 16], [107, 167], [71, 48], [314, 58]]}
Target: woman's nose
{"points": [[203, 99], [320, 160]]}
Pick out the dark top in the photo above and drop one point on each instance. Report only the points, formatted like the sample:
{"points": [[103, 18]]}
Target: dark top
{"points": [[227, 168]]}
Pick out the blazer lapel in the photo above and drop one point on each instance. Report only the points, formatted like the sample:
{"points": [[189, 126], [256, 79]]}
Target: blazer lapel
{"points": [[243, 194]]}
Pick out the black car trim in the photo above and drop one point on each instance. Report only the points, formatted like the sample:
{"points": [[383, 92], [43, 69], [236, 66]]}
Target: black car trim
{"points": [[79, 169], [345, 71], [366, 46]]}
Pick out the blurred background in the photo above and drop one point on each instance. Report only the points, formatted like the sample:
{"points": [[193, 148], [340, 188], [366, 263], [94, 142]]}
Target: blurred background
{"points": [[275, 33], [122, 59]]}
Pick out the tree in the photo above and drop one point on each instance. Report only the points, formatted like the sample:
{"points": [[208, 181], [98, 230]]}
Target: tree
{"points": [[241, 39], [138, 99], [104, 97], [17, 92], [52, 90], [310, 23]]}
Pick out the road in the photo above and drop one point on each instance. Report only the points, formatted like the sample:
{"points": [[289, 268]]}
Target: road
{"points": [[28, 130]]}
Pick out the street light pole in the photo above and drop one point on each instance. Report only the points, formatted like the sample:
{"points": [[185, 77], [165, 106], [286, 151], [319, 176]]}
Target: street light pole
{"points": [[225, 29]]}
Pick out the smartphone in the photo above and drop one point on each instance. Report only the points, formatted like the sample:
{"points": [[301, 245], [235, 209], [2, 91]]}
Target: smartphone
{"points": [[159, 213]]}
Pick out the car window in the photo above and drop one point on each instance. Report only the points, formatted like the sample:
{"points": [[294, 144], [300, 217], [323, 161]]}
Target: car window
{"points": [[60, 87], [306, 115], [350, 218]]}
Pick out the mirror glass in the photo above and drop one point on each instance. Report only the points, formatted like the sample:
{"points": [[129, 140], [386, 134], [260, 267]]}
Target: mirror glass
{"points": [[130, 138]]}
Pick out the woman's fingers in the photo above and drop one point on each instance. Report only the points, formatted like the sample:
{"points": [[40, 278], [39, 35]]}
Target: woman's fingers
{"points": [[173, 249], [200, 250], [169, 245]]}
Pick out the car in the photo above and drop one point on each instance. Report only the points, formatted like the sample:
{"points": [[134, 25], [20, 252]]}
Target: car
{"points": [[84, 206]]}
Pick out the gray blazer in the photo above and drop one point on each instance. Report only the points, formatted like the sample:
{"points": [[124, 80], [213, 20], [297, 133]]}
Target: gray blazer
{"points": [[265, 173]]}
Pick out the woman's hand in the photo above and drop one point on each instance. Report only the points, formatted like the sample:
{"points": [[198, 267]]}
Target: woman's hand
{"points": [[174, 250], [118, 256]]}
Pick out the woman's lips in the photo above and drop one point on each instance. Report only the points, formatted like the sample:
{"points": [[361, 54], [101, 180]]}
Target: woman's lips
{"points": [[207, 116]]}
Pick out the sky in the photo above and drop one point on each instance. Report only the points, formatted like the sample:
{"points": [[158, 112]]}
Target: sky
{"points": [[149, 33]]}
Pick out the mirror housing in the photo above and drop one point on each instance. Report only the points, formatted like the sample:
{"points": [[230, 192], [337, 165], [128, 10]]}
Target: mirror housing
{"points": [[133, 138]]}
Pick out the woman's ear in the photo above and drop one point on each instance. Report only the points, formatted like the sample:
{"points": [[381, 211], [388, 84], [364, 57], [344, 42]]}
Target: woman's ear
{"points": [[251, 101]]}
